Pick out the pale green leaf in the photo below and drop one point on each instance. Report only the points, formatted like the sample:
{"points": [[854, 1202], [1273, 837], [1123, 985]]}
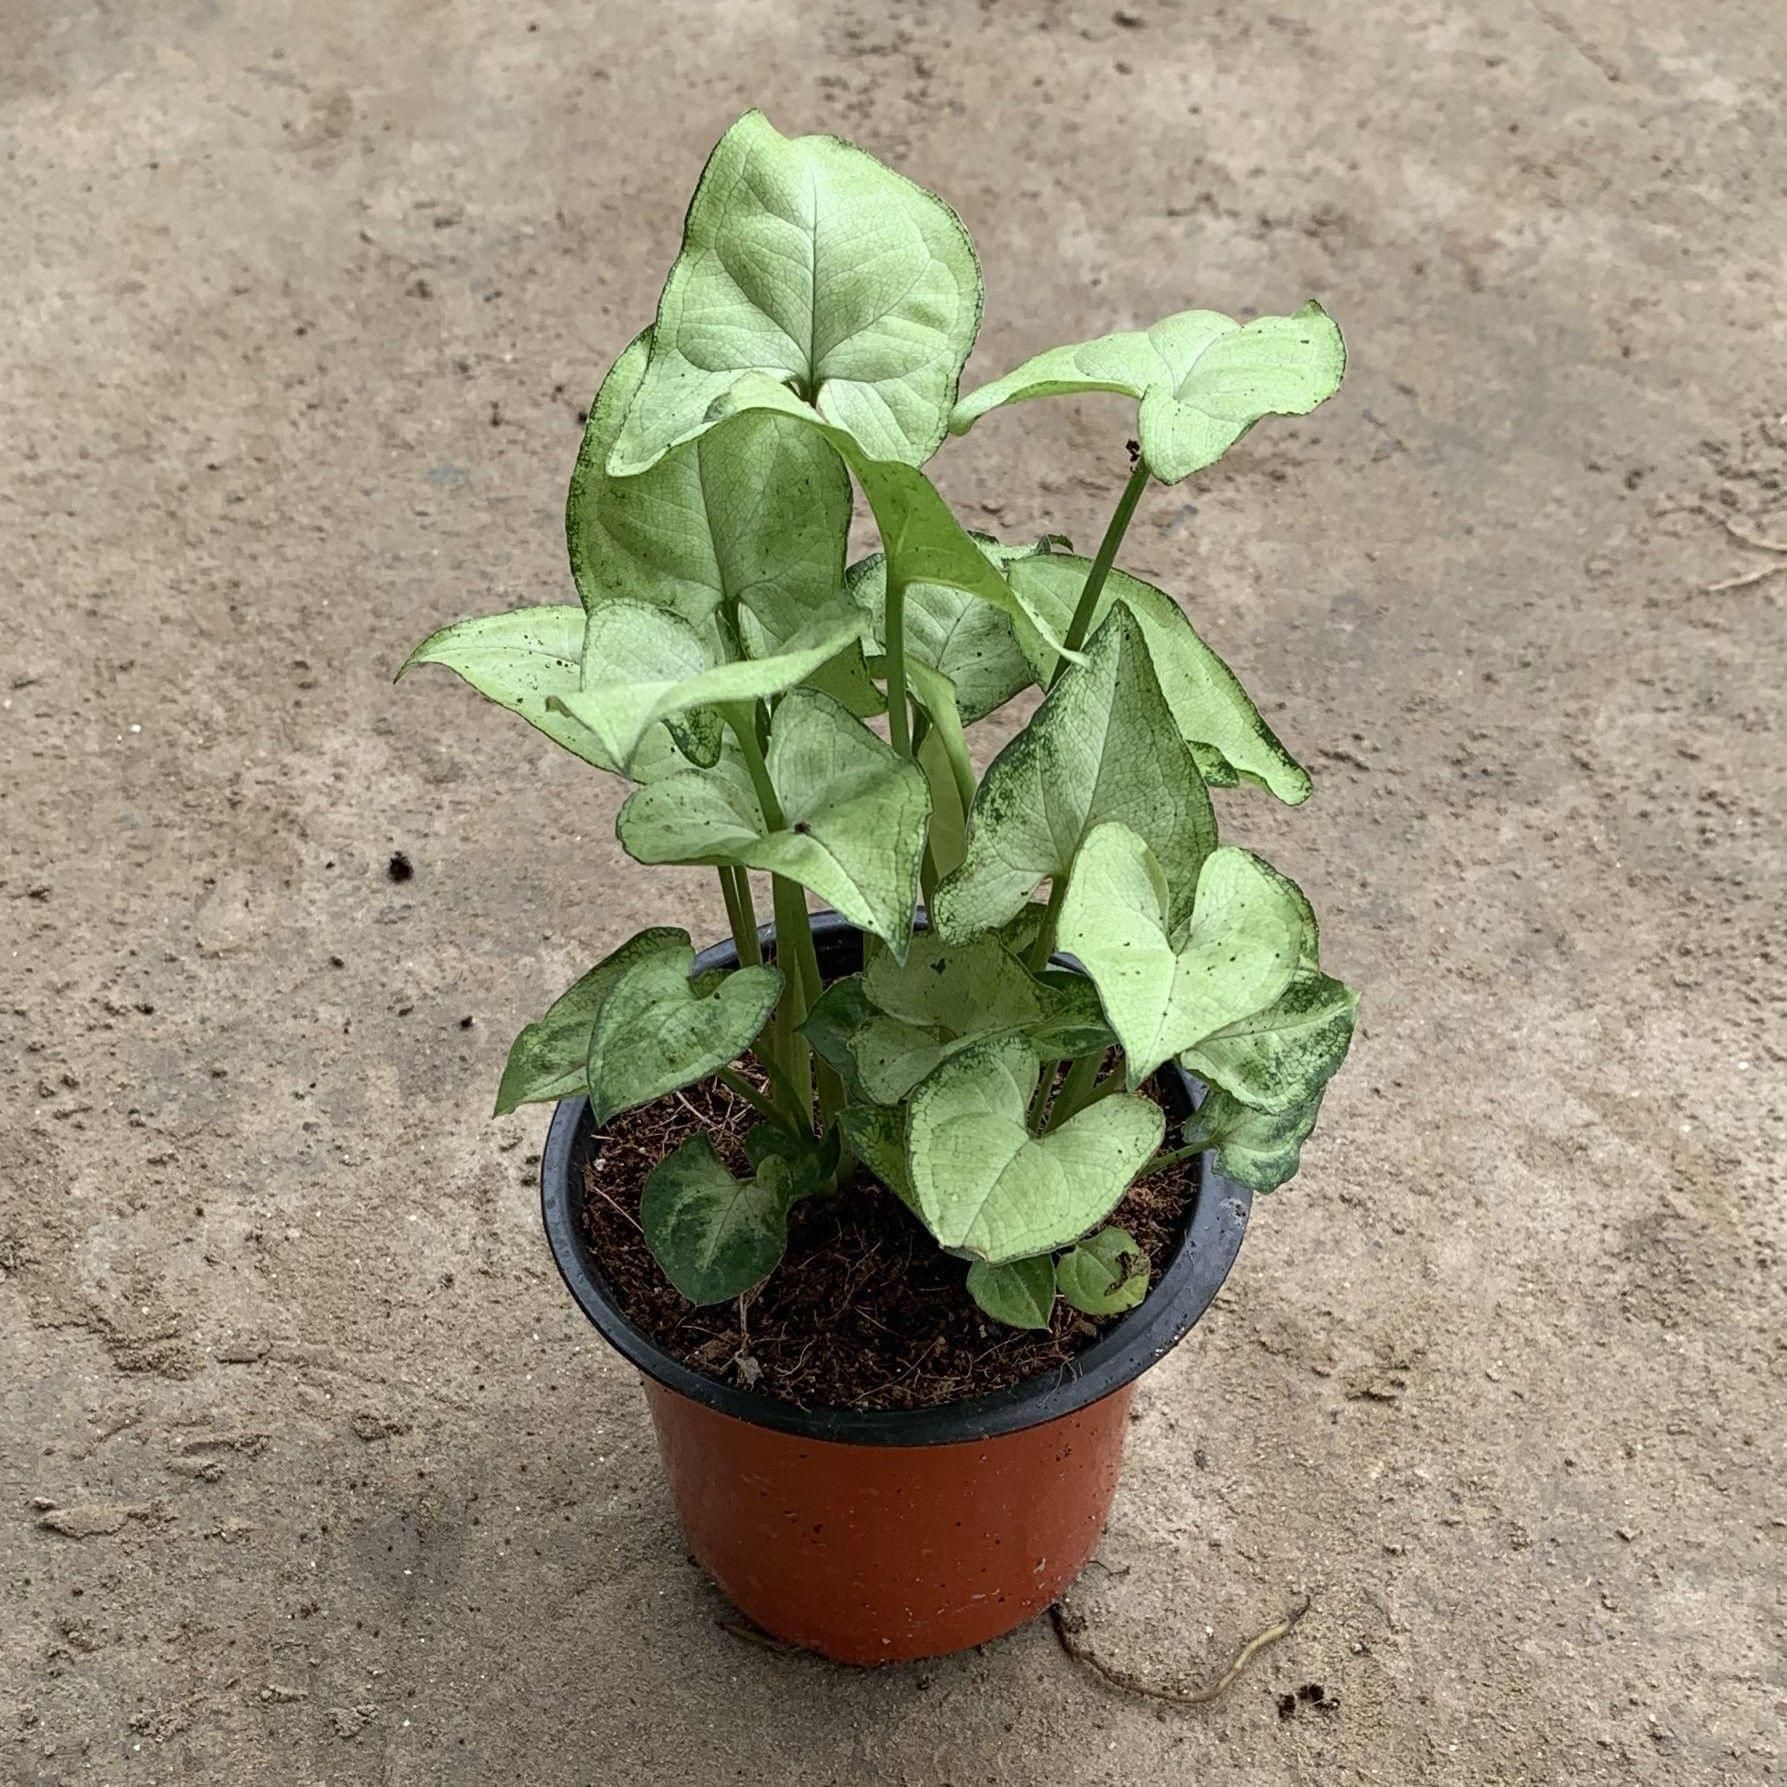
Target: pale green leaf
{"points": [[1166, 984], [750, 519], [955, 632], [715, 1236], [1226, 733], [890, 1056], [1105, 1274], [521, 661], [888, 1028], [805, 261], [656, 1030], [833, 1020], [1020, 1294], [877, 1137], [922, 539], [1102, 746], [1201, 378], [1281, 1057], [643, 664], [985, 1185], [966, 988], [854, 813], [1262, 1149], [550, 1058]]}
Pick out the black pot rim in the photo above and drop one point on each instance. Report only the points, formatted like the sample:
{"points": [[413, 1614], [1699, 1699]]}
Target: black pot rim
{"points": [[1184, 1290]]}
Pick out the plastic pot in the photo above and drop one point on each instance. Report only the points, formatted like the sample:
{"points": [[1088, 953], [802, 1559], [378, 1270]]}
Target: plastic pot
{"points": [[872, 1536]]}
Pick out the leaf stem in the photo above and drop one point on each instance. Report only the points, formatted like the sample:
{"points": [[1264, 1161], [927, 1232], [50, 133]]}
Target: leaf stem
{"points": [[1044, 946], [794, 935], [893, 627], [1093, 587], [736, 1082], [1075, 1090], [1171, 1157], [740, 914]]}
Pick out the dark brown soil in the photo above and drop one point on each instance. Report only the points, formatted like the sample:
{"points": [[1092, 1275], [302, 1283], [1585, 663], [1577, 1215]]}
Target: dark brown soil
{"points": [[865, 1311]]}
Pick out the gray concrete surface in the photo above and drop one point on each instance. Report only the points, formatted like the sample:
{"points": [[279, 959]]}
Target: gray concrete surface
{"points": [[308, 1472]]}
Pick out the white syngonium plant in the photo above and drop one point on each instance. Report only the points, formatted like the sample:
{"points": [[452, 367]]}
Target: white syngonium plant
{"points": [[726, 661]]}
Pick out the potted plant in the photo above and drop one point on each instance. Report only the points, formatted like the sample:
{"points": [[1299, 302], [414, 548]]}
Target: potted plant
{"points": [[892, 1203]]}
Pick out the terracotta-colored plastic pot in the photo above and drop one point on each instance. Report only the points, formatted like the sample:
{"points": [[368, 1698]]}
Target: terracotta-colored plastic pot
{"points": [[888, 1534]]}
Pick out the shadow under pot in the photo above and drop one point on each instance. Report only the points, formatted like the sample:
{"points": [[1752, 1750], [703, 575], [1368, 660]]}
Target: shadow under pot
{"points": [[881, 1535]]}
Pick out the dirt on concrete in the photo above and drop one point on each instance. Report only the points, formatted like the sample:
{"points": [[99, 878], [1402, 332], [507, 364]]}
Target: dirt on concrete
{"points": [[299, 310]]}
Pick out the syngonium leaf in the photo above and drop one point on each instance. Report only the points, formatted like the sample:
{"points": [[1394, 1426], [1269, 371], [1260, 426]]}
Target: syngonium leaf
{"points": [[877, 1137], [1168, 983], [811, 1161], [887, 1028], [1105, 1274], [1262, 1149], [1102, 746], [1224, 729], [521, 661], [806, 262], [751, 516], [715, 1235], [643, 664], [955, 632], [550, 1058], [854, 813], [654, 1029], [985, 1185], [1020, 1294], [1280, 1058], [1202, 380], [922, 539]]}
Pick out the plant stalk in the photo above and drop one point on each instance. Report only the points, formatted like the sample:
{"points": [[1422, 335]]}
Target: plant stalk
{"points": [[1093, 588], [1044, 946], [794, 933], [893, 626], [1075, 1090], [738, 1083], [1171, 1158], [740, 914]]}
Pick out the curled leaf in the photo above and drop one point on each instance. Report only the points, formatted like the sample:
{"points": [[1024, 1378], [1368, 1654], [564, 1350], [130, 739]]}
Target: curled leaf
{"points": [[1105, 1274]]}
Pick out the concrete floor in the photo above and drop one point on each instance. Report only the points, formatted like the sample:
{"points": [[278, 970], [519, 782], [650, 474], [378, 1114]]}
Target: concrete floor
{"points": [[309, 1473]]}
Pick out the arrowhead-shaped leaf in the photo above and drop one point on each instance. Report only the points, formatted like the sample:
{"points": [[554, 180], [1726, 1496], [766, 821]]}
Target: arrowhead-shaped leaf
{"points": [[971, 987], [984, 1184], [854, 809], [886, 1029], [521, 661], [877, 1137], [1105, 1274], [1280, 1058], [807, 262], [715, 1236], [643, 664], [655, 1030], [1102, 746], [924, 542], [550, 1058], [1226, 733], [957, 633], [1262, 1149], [752, 517], [1202, 380], [1020, 1294], [1167, 984]]}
